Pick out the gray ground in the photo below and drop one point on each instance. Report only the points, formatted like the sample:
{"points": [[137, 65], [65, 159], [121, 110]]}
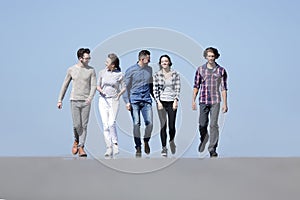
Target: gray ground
{"points": [[184, 178]]}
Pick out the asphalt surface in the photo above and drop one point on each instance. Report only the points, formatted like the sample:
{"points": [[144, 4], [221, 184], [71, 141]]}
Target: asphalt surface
{"points": [[71, 178]]}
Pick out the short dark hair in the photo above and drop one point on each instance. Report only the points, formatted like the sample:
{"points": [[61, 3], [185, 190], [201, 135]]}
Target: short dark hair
{"points": [[114, 60], [144, 53], [82, 51], [212, 50], [167, 56]]}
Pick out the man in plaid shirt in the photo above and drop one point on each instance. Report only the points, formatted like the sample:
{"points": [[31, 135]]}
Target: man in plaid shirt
{"points": [[209, 78]]}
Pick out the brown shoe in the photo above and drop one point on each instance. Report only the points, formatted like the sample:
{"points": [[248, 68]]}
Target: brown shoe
{"points": [[146, 147], [81, 152], [138, 152], [75, 148]]}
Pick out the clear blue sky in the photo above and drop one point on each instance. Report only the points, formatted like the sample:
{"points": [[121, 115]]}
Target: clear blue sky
{"points": [[258, 41]]}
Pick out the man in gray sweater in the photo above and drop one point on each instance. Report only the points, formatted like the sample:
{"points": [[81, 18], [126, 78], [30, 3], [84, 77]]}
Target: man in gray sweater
{"points": [[83, 91]]}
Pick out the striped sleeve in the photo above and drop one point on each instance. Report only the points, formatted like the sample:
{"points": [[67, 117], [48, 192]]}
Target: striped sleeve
{"points": [[156, 86], [177, 86]]}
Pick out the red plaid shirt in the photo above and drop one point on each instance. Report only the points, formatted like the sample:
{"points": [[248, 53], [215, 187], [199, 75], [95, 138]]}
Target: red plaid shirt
{"points": [[209, 82]]}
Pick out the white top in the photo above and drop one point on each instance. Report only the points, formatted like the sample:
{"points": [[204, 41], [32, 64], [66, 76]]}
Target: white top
{"points": [[111, 82]]}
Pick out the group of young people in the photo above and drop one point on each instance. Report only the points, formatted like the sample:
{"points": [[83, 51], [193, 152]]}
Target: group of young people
{"points": [[138, 86]]}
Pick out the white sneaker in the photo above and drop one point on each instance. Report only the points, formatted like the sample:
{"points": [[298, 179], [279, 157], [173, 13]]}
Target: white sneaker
{"points": [[115, 149], [108, 152], [164, 152]]}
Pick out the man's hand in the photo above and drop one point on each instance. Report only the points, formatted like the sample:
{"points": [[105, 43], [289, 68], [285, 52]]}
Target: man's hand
{"points": [[195, 92], [194, 106], [224, 108], [59, 105], [224, 97], [128, 106]]}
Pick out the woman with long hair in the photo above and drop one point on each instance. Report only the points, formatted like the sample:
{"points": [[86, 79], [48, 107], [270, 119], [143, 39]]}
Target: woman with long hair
{"points": [[166, 89], [110, 86]]}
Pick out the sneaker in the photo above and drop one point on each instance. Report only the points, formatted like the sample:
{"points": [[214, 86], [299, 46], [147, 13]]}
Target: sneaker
{"points": [[164, 151], [138, 152], [213, 154], [115, 149], [108, 152], [173, 147], [203, 144], [147, 148], [81, 152], [201, 147]]}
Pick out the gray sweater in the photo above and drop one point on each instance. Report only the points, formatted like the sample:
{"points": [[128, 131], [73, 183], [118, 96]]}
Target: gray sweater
{"points": [[83, 85]]}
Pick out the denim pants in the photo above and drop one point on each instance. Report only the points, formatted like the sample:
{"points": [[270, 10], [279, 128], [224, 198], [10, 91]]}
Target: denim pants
{"points": [[209, 112], [146, 110], [162, 114], [108, 108], [80, 115]]}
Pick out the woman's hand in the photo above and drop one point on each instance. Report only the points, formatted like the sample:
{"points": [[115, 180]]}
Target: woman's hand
{"points": [[175, 105]]}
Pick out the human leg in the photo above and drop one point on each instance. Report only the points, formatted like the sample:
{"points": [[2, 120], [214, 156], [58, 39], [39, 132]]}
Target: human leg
{"points": [[203, 124], [214, 128], [172, 130], [162, 114], [147, 113], [103, 110], [172, 120], [113, 111], [85, 112], [77, 129], [135, 114]]}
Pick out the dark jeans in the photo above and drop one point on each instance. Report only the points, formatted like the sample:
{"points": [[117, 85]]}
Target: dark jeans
{"points": [[167, 111], [146, 110], [213, 111]]}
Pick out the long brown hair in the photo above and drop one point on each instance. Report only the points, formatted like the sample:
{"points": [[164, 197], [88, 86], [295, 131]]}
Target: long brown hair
{"points": [[114, 60]]}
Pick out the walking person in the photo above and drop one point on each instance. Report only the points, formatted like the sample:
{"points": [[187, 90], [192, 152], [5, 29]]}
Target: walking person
{"points": [[139, 88], [166, 89], [83, 79], [210, 78], [111, 86]]}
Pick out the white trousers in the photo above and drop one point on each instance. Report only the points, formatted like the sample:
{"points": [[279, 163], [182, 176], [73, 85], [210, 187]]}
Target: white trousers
{"points": [[108, 108]]}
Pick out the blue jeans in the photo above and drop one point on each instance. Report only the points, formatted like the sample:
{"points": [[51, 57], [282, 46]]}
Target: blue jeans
{"points": [[146, 110]]}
